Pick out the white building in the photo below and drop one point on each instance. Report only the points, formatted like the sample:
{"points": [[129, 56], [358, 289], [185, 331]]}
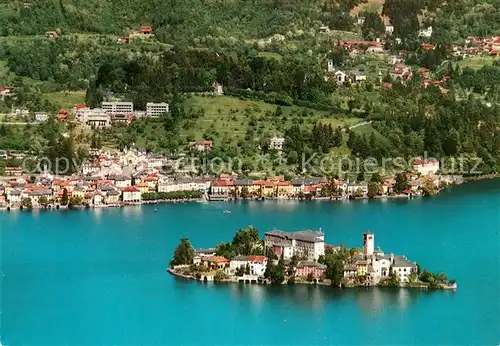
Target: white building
{"points": [[340, 77], [304, 244], [14, 196], [89, 168], [118, 107], [95, 117], [156, 109], [257, 264], [40, 117], [218, 89], [403, 268], [276, 143], [389, 29], [357, 76], [355, 187], [427, 32], [131, 194], [426, 167], [331, 66], [368, 243]]}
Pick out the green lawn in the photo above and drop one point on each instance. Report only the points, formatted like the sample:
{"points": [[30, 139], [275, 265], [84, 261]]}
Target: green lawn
{"points": [[231, 117], [477, 62], [270, 55], [66, 99]]}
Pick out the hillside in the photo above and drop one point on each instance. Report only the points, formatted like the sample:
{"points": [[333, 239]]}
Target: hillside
{"points": [[172, 19]]}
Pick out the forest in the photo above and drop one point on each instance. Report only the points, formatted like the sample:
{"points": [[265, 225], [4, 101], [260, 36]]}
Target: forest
{"points": [[190, 20]]}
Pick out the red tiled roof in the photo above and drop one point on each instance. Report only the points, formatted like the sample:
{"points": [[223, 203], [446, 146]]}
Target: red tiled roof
{"points": [[14, 169], [131, 189], [260, 259], [220, 183]]}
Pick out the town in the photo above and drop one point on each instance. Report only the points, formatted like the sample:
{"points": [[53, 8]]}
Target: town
{"points": [[135, 177], [301, 257]]}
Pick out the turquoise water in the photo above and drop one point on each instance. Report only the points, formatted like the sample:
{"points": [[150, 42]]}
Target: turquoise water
{"points": [[98, 277]]}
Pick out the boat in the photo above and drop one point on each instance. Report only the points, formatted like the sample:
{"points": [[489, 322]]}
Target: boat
{"points": [[227, 211]]}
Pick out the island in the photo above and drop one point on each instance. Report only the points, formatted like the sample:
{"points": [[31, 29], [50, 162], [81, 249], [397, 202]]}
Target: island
{"points": [[300, 257]]}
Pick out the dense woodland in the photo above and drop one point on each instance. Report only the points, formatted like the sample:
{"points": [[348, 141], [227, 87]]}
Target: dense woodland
{"points": [[407, 119], [185, 21]]}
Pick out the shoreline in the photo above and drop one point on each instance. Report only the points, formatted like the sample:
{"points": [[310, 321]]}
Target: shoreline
{"points": [[256, 281], [256, 199]]}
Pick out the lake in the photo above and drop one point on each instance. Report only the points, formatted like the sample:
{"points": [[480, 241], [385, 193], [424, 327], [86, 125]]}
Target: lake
{"points": [[98, 276]]}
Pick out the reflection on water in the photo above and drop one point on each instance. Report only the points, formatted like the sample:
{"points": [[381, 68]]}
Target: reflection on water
{"points": [[370, 300]]}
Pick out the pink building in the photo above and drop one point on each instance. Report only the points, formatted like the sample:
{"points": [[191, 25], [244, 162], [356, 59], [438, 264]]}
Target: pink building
{"points": [[304, 268]]}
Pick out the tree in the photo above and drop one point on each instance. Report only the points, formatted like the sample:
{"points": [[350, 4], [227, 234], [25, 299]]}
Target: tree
{"points": [[361, 176], [225, 250], [64, 198], [373, 189], [310, 277], [334, 270], [372, 27], [401, 183], [43, 201], [240, 271], [247, 242], [376, 178], [393, 279], [26, 203], [183, 253], [220, 276], [75, 200], [278, 272], [244, 192], [269, 269], [247, 269], [428, 189]]}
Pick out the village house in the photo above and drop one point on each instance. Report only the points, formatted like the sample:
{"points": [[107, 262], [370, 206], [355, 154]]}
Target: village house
{"points": [[14, 196], [357, 76], [304, 268], [307, 245], [276, 143], [356, 187], [79, 192], [112, 197], [427, 32], [90, 168], [120, 181], [247, 184], [222, 187], [131, 194], [340, 77], [426, 167], [361, 267], [215, 262], [40, 117], [201, 146], [256, 264], [350, 270], [51, 34], [35, 195], [14, 171], [284, 189], [6, 90], [403, 268]]}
